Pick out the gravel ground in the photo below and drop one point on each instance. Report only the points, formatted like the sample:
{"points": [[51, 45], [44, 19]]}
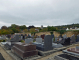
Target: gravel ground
{"points": [[4, 54]]}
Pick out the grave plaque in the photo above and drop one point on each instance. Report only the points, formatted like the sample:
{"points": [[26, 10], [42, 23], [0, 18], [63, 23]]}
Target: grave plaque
{"points": [[65, 36]]}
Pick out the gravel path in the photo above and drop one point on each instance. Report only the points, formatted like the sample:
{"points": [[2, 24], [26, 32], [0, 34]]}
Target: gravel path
{"points": [[4, 54]]}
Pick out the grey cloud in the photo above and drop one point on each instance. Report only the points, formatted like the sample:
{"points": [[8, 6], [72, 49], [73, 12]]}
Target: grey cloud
{"points": [[39, 12]]}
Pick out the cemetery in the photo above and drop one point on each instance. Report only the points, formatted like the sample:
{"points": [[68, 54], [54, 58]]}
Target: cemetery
{"points": [[36, 47]]}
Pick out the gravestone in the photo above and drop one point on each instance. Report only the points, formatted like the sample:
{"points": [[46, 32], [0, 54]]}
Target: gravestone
{"points": [[52, 35], [39, 40], [66, 41], [77, 38], [46, 45], [29, 36], [28, 40], [73, 39], [65, 36], [42, 36], [16, 38], [10, 43], [24, 50], [1, 57]]}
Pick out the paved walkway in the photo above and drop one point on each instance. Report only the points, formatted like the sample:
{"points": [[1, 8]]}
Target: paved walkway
{"points": [[4, 54]]}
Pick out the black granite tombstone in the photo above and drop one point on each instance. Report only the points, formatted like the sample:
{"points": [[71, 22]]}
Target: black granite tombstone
{"points": [[67, 41]]}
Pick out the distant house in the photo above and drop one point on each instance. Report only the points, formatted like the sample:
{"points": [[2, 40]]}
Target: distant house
{"points": [[30, 27], [73, 28], [37, 30], [67, 29]]}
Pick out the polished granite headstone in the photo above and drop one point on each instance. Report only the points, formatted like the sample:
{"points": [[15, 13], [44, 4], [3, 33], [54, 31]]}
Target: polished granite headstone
{"points": [[66, 41], [77, 40], [24, 50], [73, 39], [46, 45]]}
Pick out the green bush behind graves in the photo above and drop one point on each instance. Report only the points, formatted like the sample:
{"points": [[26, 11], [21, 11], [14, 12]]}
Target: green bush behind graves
{"points": [[61, 31], [22, 41]]}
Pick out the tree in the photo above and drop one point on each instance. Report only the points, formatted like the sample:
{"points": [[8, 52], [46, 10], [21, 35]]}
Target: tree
{"points": [[25, 30], [43, 30], [23, 27], [51, 28], [4, 27], [32, 30], [15, 30]]}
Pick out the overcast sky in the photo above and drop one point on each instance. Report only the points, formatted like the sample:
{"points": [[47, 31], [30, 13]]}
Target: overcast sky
{"points": [[39, 12]]}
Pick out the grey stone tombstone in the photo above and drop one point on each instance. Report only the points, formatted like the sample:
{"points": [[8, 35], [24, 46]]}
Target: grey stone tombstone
{"points": [[48, 43], [39, 40], [77, 38], [64, 36], [73, 39], [28, 40], [16, 38]]}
